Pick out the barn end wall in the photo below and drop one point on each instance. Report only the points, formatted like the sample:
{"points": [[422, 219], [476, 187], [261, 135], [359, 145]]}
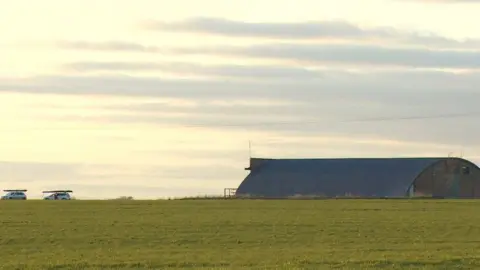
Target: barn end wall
{"points": [[447, 178]]}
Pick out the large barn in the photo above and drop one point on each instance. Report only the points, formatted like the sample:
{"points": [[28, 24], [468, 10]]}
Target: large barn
{"points": [[365, 177]]}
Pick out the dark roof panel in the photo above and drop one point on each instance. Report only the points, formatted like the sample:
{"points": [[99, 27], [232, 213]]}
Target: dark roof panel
{"points": [[377, 177]]}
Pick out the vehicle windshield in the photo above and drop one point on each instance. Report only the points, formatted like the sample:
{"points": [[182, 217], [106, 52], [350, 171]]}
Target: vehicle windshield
{"points": [[13, 193], [58, 194]]}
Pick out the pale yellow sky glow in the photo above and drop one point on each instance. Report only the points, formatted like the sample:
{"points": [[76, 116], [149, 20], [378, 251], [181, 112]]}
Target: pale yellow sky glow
{"points": [[94, 100]]}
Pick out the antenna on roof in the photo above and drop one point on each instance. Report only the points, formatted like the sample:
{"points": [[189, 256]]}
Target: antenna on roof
{"points": [[249, 148]]}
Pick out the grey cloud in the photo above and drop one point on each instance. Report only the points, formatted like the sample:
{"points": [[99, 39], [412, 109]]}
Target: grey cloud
{"points": [[349, 54], [451, 130], [206, 108], [340, 54], [234, 71], [316, 112], [382, 86], [307, 30], [130, 86], [108, 46], [424, 106], [279, 30]]}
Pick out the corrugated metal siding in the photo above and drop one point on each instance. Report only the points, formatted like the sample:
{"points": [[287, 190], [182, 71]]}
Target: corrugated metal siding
{"points": [[372, 177]]}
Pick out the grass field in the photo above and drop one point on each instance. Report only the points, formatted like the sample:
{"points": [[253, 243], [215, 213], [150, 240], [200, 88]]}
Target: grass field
{"points": [[234, 234]]}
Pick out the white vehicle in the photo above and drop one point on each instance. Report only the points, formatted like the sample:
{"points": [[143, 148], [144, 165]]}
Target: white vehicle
{"points": [[14, 194], [58, 195]]}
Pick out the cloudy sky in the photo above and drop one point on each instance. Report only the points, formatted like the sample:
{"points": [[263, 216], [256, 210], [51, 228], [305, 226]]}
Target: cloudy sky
{"points": [[154, 98]]}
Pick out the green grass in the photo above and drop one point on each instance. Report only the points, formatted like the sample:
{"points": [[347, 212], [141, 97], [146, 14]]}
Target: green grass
{"points": [[234, 234]]}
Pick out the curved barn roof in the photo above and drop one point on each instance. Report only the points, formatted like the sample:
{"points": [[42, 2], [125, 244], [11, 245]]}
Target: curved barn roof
{"points": [[377, 177]]}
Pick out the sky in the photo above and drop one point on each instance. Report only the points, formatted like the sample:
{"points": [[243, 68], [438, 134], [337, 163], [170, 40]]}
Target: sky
{"points": [[156, 99]]}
